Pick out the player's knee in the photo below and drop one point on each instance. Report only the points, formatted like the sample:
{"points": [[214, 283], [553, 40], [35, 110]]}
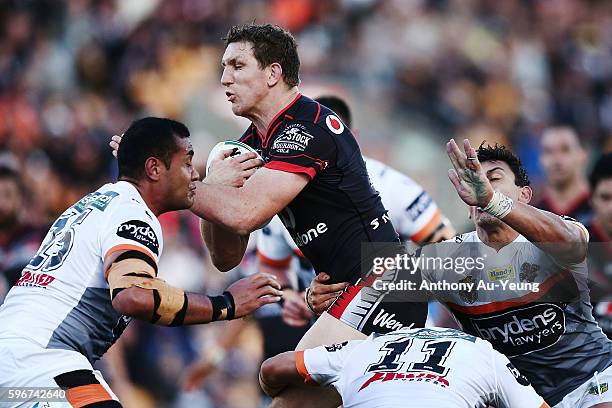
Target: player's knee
{"points": [[268, 370]]}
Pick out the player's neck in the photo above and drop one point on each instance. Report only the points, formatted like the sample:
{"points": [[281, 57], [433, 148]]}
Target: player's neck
{"points": [[268, 108], [563, 194], [497, 236], [147, 194]]}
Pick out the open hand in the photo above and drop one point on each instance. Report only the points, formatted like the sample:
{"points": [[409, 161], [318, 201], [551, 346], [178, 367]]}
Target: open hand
{"points": [[467, 176], [253, 292]]}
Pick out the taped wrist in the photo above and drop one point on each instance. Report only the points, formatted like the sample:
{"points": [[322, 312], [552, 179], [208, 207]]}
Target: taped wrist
{"points": [[223, 307], [500, 205], [169, 303]]}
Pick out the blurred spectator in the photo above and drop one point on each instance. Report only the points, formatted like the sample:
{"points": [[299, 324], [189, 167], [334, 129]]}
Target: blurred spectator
{"points": [[564, 159], [600, 247], [19, 239]]}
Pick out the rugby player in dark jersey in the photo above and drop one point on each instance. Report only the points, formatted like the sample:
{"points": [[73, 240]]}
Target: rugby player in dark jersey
{"points": [[313, 176]]}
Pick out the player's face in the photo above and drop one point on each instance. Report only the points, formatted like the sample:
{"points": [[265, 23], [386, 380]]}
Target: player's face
{"points": [[602, 203], [244, 81], [10, 203], [181, 177], [562, 157], [502, 179]]}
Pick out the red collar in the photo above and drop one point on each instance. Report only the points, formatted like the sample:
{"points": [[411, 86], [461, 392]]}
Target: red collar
{"points": [[573, 205], [273, 125]]}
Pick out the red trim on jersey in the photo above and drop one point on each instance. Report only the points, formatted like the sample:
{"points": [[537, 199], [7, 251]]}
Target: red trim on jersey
{"points": [[299, 95], [319, 162], [298, 252], [289, 116], [506, 304], [291, 168], [572, 206], [265, 143], [428, 228], [338, 308], [318, 112], [248, 137], [275, 263]]}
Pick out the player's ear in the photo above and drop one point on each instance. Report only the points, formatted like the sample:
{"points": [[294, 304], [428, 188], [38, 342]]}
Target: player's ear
{"points": [[275, 74], [525, 195], [153, 168]]}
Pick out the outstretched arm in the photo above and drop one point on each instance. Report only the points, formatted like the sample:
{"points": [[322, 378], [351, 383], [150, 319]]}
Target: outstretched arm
{"points": [[566, 241], [137, 292]]}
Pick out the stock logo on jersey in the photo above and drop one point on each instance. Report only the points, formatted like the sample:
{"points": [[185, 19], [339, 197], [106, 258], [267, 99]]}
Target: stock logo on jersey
{"points": [[522, 330], [140, 232], [294, 138], [520, 378], [334, 124]]}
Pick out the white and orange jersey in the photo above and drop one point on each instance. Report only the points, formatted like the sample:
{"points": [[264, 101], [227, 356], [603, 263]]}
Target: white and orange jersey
{"points": [[62, 300], [527, 304], [425, 368], [413, 213]]}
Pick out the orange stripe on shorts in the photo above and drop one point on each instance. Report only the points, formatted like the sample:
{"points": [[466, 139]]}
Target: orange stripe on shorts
{"points": [[301, 368], [84, 395]]}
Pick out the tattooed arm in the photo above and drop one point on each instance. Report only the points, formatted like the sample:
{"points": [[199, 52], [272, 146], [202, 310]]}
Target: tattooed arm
{"points": [[492, 186]]}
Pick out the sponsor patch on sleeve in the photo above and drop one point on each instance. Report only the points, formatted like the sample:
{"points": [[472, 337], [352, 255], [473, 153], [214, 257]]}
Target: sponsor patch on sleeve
{"points": [[334, 124], [140, 232]]}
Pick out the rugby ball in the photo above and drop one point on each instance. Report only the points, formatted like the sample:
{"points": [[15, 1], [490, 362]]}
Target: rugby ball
{"points": [[236, 148]]}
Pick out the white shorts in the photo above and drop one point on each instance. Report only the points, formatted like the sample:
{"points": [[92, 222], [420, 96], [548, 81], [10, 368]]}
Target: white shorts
{"points": [[25, 364], [594, 391]]}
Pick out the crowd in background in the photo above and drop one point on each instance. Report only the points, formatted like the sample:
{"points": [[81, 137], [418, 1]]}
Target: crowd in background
{"points": [[416, 72]]}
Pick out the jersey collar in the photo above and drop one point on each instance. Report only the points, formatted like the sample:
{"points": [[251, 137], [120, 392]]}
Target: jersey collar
{"points": [[277, 120]]}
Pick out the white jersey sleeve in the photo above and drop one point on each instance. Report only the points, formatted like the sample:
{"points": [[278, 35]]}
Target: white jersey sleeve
{"points": [[413, 213], [512, 389], [132, 227], [274, 245], [323, 365]]}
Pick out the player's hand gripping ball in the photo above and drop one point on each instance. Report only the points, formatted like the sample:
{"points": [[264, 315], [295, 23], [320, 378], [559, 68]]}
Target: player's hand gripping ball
{"points": [[232, 163]]}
